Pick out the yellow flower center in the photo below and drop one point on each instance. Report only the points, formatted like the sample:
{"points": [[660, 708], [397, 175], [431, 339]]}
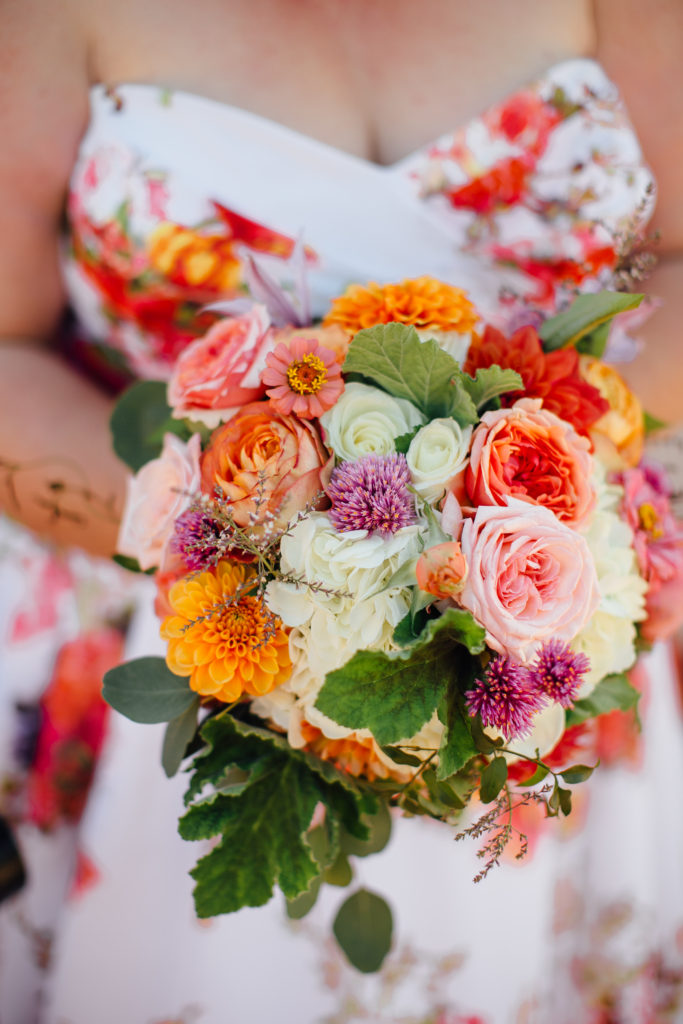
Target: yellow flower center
{"points": [[244, 622], [649, 520], [308, 375]]}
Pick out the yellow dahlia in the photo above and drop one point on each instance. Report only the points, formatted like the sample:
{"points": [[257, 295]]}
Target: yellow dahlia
{"points": [[424, 302], [241, 648]]}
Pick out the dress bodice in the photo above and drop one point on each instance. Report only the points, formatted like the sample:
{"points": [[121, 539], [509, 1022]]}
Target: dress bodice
{"points": [[171, 191]]}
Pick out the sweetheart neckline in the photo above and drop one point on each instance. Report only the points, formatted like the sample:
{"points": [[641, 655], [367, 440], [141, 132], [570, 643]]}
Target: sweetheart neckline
{"points": [[101, 93]]}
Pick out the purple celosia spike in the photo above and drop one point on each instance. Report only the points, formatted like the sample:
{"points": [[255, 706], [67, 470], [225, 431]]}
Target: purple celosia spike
{"points": [[372, 494], [506, 698], [557, 672], [195, 539]]}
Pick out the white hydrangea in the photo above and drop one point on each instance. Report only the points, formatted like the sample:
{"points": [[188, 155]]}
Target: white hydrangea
{"points": [[456, 343], [366, 421], [437, 453], [608, 638]]}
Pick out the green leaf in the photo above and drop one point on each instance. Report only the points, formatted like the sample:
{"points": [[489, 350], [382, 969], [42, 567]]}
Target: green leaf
{"points": [[595, 343], [145, 690], [565, 798], [578, 773], [489, 383], [363, 928], [652, 424], [179, 733], [392, 357], [379, 827], [402, 442], [394, 694], [131, 564], [538, 776], [585, 314], [400, 756], [408, 629], [301, 905], [611, 693], [457, 746], [138, 423], [340, 873], [493, 779]]}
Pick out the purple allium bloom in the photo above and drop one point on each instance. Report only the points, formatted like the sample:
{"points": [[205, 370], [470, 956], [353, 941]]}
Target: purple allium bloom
{"points": [[557, 672], [372, 494], [506, 698], [196, 539]]}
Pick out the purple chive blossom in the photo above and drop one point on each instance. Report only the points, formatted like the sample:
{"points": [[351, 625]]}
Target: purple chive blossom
{"points": [[196, 539], [506, 698], [557, 672], [372, 494]]}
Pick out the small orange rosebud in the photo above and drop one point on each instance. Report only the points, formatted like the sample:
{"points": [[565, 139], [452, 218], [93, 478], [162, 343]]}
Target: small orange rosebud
{"points": [[442, 570]]}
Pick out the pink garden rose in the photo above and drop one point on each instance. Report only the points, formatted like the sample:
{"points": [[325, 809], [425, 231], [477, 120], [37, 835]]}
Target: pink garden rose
{"points": [[658, 542], [531, 578], [529, 453], [217, 374], [157, 495], [441, 570]]}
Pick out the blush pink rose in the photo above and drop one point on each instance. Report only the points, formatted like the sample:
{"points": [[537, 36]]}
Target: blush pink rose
{"points": [[221, 372], [441, 570], [531, 578], [260, 458], [529, 453], [157, 495]]}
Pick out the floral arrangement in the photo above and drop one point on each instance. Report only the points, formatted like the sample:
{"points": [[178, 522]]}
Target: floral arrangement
{"points": [[402, 561]]}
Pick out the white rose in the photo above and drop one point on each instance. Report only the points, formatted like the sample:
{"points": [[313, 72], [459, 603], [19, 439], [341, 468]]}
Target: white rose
{"points": [[157, 495], [436, 455], [366, 421]]}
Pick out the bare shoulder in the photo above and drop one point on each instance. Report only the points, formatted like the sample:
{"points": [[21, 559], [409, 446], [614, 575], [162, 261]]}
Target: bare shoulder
{"points": [[641, 48], [43, 111]]}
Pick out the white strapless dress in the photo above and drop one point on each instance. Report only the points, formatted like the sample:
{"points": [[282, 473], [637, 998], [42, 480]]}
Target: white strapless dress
{"points": [[169, 193]]}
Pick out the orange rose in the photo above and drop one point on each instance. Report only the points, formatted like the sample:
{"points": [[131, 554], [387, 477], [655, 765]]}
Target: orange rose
{"points": [[442, 570], [529, 453], [264, 462], [618, 436]]}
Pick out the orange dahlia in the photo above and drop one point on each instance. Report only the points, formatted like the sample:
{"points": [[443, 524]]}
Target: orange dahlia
{"points": [[424, 302], [354, 754], [226, 647]]}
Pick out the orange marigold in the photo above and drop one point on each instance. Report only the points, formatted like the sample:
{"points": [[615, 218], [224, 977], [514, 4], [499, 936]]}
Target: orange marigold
{"points": [[424, 302], [226, 649], [354, 754]]}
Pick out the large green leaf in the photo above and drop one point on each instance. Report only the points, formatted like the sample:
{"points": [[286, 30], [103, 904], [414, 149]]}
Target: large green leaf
{"points": [[363, 928], [611, 693], [585, 315], [394, 695], [264, 821], [393, 357], [145, 690], [139, 421]]}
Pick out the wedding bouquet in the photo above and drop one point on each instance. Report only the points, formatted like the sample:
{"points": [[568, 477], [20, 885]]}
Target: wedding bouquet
{"points": [[402, 561]]}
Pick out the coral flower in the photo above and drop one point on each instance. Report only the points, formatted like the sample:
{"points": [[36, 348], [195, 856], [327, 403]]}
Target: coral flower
{"points": [[424, 302], [356, 755], [226, 642], [302, 378]]}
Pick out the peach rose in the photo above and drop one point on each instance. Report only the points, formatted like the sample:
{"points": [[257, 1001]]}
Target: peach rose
{"points": [[217, 374], [157, 495], [619, 435], [531, 578], [259, 450], [528, 453], [442, 570]]}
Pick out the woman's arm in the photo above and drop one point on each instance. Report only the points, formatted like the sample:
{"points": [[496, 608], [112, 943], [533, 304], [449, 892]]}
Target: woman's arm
{"points": [[53, 423], [641, 48]]}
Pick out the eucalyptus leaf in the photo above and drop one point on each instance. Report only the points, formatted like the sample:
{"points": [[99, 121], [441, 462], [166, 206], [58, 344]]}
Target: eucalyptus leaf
{"points": [[565, 799], [340, 873], [179, 734], [493, 779], [584, 316], [303, 904], [363, 928], [379, 827], [145, 690], [139, 421], [578, 773]]}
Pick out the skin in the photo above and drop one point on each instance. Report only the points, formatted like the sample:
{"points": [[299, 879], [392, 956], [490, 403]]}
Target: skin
{"points": [[371, 77]]}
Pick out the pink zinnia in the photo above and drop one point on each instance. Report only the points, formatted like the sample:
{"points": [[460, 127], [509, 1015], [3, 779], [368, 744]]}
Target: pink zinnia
{"points": [[302, 378], [507, 699]]}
